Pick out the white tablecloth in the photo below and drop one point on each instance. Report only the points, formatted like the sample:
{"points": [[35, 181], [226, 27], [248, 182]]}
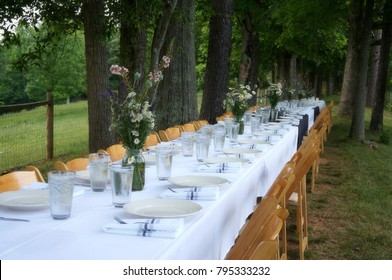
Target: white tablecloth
{"points": [[208, 234]]}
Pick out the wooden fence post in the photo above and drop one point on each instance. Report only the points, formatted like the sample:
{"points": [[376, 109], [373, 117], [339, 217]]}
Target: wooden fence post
{"points": [[49, 126]]}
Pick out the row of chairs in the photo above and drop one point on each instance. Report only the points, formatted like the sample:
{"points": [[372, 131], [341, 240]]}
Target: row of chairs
{"points": [[174, 132], [15, 180], [264, 236]]}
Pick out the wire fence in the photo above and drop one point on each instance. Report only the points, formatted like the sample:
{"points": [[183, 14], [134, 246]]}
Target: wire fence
{"points": [[23, 135]]}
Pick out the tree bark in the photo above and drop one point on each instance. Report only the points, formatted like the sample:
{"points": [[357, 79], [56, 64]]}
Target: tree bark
{"points": [[350, 77], [178, 102], [318, 82], [133, 42], [97, 75], [217, 78], [250, 55], [357, 130], [283, 73], [373, 71], [377, 121], [157, 43], [331, 84]]}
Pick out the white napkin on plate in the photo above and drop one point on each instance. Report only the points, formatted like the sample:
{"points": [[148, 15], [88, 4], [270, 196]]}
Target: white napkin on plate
{"points": [[44, 186], [162, 228], [227, 167], [36, 186], [197, 193]]}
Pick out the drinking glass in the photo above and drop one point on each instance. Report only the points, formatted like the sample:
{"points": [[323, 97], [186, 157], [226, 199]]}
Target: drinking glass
{"points": [[61, 186], [121, 183], [98, 167], [202, 145], [233, 132], [219, 139], [254, 124], [164, 158], [228, 122], [187, 146]]}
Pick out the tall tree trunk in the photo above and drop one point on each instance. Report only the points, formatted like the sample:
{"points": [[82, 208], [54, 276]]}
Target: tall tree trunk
{"points": [[331, 84], [157, 43], [318, 82], [133, 41], [97, 75], [293, 72], [357, 130], [217, 69], [283, 73], [373, 71], [250, 54], [178, 102], [350, 77], [376, 122]]}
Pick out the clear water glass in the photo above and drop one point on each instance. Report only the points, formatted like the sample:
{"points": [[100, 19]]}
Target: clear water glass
{"points": [[121, 183], [98, 167], [164, 158], [219, 139], [61, 187], [188, 144], [202, 145], [233, 132]]}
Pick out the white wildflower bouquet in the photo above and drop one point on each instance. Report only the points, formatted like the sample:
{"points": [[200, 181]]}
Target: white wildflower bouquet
{"points": [[237, 99], [132, 118], [273, 94]]}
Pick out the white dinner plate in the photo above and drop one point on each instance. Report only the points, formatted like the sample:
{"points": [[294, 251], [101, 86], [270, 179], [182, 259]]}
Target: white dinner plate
{"points": [[25, 199], [176, 149], [150, 159], [162, 208], [218, 160], [84, 175], [198, 181], [253, 142], [262, 133], [241, 151]]}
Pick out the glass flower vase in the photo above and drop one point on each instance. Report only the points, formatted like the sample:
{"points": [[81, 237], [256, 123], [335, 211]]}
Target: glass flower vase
{"points": [[239, 119], [135, 158]]}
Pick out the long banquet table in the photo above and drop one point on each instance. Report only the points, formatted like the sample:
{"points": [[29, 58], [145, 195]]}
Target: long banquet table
{"points": [[208, 234]]}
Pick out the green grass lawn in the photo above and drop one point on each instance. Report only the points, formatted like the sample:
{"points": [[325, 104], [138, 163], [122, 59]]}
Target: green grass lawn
{"points": [[23, 135], [350, 210]]}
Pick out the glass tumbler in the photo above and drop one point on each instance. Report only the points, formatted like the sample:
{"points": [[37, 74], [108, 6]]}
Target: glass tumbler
{"points": [[202, 145], [219, 139], [121, 183], [164, 158], [61, 186], [98, 167]]}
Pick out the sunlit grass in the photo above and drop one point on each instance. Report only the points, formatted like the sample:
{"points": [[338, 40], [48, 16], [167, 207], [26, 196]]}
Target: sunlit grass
{"points": [[23, 134], [349, 213]]}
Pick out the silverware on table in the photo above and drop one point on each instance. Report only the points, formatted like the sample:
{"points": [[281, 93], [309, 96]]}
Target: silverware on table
{"points": [[119, 220], [13, 219]]}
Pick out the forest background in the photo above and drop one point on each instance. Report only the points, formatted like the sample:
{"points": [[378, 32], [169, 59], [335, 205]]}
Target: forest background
{"points": [[323, 47]]}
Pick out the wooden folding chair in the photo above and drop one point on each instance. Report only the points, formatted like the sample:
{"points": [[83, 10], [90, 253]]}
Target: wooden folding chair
{"points": [[188, 127], [265, 223], [153, 139], [170, 134], [296, 194], [116, 152], [15, 180]]}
